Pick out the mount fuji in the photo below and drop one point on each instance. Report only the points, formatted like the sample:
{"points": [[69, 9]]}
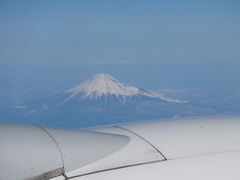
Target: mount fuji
{"points": [[101, 100], [104, 86]]}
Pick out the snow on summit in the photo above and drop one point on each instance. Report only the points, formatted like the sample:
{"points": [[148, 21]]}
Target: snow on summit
{"points": [[102, 85]]}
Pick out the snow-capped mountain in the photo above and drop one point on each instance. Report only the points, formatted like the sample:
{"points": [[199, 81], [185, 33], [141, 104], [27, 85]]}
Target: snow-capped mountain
{"points": [[104, 85], [103, 99]]}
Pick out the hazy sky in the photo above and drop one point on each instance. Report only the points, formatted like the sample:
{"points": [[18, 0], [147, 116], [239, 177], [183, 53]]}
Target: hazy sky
{"points": [[125, 31]]}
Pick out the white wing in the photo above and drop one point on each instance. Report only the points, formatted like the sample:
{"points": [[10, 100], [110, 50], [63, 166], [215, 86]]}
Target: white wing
{"points": [[171, 149]]}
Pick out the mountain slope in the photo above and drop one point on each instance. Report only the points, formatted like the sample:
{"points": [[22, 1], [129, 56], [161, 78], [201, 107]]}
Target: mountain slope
{"points": [[104, 85]]}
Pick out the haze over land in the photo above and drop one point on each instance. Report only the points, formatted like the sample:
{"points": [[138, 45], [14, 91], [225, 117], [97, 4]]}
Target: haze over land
{"points": [[102, 99]]}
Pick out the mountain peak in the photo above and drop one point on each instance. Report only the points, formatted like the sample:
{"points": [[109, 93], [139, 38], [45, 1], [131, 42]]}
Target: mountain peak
{"points": [[103, 76], [104, 85]]}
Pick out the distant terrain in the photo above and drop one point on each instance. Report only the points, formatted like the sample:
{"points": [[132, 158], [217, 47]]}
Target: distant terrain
{"points": [[102, 99]]}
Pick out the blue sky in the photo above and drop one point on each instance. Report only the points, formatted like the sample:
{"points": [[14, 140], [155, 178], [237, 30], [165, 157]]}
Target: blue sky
{"points": [[116, 32]]}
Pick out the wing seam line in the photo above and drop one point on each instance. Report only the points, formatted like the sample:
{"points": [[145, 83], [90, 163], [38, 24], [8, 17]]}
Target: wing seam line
{"points": [[116, 168], [165, 158], [59, 149]]}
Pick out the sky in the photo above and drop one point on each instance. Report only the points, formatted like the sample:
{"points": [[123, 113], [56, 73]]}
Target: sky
{"points": [[119, 32]]}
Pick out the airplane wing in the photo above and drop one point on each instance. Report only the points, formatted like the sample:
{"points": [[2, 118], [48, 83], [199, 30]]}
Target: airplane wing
{"points": [[200, 148]]}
